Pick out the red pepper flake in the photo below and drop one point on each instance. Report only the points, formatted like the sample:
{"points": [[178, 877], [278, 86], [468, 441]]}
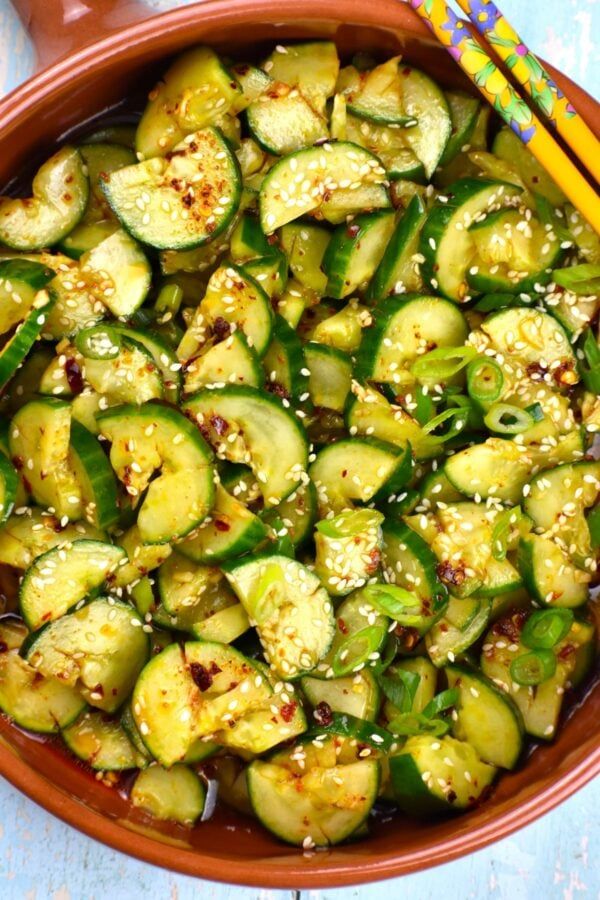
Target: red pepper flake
{"points": [[73, 375], [451, 574], [323, 713], [375, 560], [201, 676], [220, 525], [342, 626], [3, 647], [288, 710], [221, 327], [274, 387], [219, 424], [352, 230]]}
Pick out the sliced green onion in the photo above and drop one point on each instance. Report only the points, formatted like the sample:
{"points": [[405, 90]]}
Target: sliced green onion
{"points": [[280, 541], [593, 522], [441, 364], [536, 411], [502, 530], [356, 649], [349, 523], [425, 408], [456, 420], [441, 702], [533, 668], [346, 725], [504, 418], [400, 605], [98, 342], [169, 299], [544, 629], [484, 380], [492, 302], [400, 687], [583, 279], [547, 216], [590, 369], [408, 724]]}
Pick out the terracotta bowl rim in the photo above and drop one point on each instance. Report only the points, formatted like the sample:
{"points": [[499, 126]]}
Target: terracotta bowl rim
{"points": [[317, 871]]}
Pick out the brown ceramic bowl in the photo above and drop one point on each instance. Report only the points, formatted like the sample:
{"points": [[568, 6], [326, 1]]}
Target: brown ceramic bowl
{"points": [[82, 84]]}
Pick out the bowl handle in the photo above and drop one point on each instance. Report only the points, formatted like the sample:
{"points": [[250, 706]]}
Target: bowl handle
{"points": [[60, 27]]}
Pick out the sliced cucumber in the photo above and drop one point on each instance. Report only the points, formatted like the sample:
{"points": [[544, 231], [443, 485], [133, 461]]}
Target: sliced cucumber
{"points": [[155, 437], [507, 146], [143, 558], [325, 171], [409, 562], [360, 469], [197, 90], [311, 66], [406, 327], [232, 361], [348, 550], [535, 337], [284, 362], [549, 575], [268, 438], [62, 577], [20, 282], [305, 245], [360, 633], [122, 271], [292, 612], [424, 101], [495, 468], [185, 693], [117, 366], [446, 242], [102, 743], [297, 513], [462, 624], [425, 688], [36, 703], [356, 695], [343, 330], [379, 97], [486, 717], [33, 532], [230, 530], [330, 376], [176, 215], [9, 488], [175, 794], [316, 808], [355, 251], [60, 194], [281, 120], [432, 777], [399, 269], [464, 110], [162, 354], [369, 413], [18, 345], [99, 648]]}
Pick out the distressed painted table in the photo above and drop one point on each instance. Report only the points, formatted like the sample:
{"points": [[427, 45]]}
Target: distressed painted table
{"points": [[556, 857]]}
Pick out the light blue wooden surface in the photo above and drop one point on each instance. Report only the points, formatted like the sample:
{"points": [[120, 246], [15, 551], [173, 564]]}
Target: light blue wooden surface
{"points": [[556, 857]]}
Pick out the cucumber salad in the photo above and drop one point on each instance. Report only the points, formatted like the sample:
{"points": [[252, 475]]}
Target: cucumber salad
{"points": [[298, 499]]}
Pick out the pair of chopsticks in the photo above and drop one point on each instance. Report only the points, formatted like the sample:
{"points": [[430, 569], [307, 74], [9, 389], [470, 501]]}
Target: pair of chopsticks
{"points": [[527, 70]]}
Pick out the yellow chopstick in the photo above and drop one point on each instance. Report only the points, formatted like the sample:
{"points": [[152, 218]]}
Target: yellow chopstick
{"points": [[532, 76], [452, 32]]}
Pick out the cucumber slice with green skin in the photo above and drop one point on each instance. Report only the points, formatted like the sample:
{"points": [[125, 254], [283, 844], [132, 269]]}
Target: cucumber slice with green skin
{"points": [[230, 774], [556, 502], [404, 328], [268, 438], [358, 469], [233, 299], [326, 171], [191, 595], [321, 812], [369, 413], [252, 81], [192, 219], [118, 367], [353, 201], [360, 633], [231, 361], [162, 354], [462, 624], [282, 120], [20, 282], [239, 480], [433, 777], [348, 550], [342, 330], [305, 246], [355, 251], [463, 110], [97, 649], [379, 96], [436, 487], [271, 272], [284, 363], [123, 272], [18, 345], [33, 532], [102, 743], [399, 270], [295, 625], [248, 240], [541, 705], [85, 237], [356, 695], [60, 194], [508, 147], [425, 101], [78, 302], [297, 513], [446, 242], [175, 794], [9, 486], [62, 577], [143, 558], [425, 689], [39, 704], [129, 727], [156, 437], [512, 254], [224, 626], [121, 134], [330, 376], [185, 693], [312, 66], [39, 447], [230, 530], [486, 717], [535, 337], [409, 563], [496, 468], [196, 91], [549, 575], [388, 142]]}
